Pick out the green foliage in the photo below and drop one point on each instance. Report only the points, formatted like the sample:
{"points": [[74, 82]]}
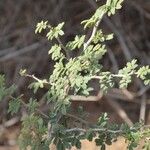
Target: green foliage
{"points": [[144, 74], [41, 26], [32, 105], [77, 43], [33, 134], [14, 105], [56, 52], [113, 5], [36, 85], [100, 37], [127, 73], [72, 76], [4, 91], [23, 72], [55, 32], [102, 121], [146, 145], [106, 81]]}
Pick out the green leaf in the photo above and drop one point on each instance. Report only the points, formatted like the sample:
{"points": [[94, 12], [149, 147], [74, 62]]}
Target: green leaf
{"points": [[103, 119], [4, 91], [40, 26], [77, 43], [14, 106], [113, 5], [144, 74], [23, 72], [55, 32], [78, 144], [126, 73], [60, 145], [132, 146], [32, 105], [11, 90], [95, 18], [109, 36], [2, 81], [36, 85], [106, 81], [56, 52], [124, 82], [89, 22], [89, 135]]}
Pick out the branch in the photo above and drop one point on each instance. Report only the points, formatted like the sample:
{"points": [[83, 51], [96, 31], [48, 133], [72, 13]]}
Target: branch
{"points": [[92, 35], [63, 47], [78, 118], [94, 130], [39, 111], [114, 75], [37, 79]]}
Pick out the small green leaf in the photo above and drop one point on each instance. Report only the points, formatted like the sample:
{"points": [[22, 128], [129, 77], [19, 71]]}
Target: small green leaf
{"points": [[56, 52], [23, 72], [14, 105], [89, 135], [40, 26], [32, 105], [102, 121], [78, 144], [55, 32]]}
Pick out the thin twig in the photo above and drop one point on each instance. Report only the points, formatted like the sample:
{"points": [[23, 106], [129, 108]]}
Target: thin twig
{"points": [[39, 111], [113, 75], [86, 44], [35, 78], [63, 47], [78, 118], [94, 130], [84, 98]]}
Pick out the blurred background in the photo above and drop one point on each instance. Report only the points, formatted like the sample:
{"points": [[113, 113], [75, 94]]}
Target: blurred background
{"points": [[21, 48]]}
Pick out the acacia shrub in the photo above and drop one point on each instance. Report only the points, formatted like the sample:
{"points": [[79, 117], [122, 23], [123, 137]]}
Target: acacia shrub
{"points": [[72, 75]]}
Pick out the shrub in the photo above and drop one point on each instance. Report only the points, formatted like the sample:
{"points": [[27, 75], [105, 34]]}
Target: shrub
{"points": [[72, 75]]}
